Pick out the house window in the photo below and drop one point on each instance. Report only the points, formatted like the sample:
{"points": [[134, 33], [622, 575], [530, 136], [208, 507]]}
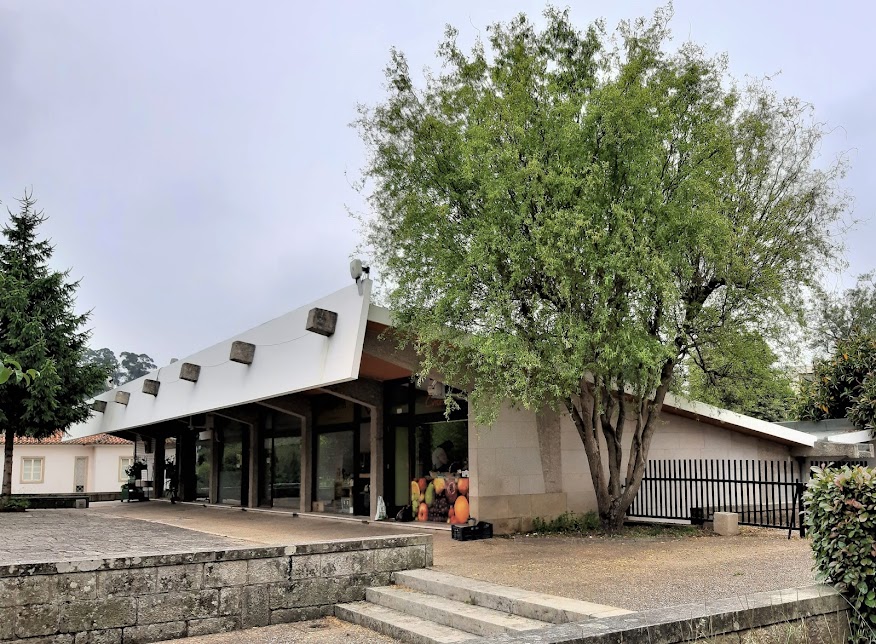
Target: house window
{"points": [[124, 463], [32, 470]]}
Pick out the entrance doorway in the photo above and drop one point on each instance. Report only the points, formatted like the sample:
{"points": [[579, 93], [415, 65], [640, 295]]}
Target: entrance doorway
{"points": [[420, 440], [232, 459], [341, 456], [280, 471]]}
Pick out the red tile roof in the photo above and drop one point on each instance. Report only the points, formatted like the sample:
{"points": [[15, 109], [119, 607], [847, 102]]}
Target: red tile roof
{"points": [[57, 437]]}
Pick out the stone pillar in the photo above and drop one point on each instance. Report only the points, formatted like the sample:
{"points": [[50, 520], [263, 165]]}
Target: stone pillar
{"points": [[547, 423], [306, 459], [185, 461], [215, 461], [254, 466], [377, 473]]}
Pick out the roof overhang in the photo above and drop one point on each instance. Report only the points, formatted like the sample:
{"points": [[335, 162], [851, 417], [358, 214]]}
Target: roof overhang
{"points": [[737, 422], [288, 359], [853, 438]]}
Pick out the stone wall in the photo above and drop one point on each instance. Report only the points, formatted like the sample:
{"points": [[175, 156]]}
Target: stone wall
{"points": [[146, 599]]}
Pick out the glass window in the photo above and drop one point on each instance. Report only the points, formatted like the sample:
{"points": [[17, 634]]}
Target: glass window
{"points": [[203, 465], [31, 470], [334, 471], [124, 463], [231, 444], [281, 460]]}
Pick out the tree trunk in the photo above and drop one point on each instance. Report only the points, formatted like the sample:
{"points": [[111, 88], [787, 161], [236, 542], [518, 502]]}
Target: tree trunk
{"points": [[7, 463], [616, 492]]}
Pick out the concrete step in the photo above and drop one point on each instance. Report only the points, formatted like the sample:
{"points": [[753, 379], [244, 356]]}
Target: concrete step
{"points": [[407, 628], [505, 599], [441, 610]]}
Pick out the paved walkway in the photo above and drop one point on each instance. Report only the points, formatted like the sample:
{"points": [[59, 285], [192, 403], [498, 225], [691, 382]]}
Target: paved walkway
{"points": [[320, 631], [267, 528], [636, 574], [64, 535]]}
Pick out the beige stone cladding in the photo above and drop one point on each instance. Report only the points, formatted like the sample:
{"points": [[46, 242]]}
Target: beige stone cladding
{"points": [[522, 469]]}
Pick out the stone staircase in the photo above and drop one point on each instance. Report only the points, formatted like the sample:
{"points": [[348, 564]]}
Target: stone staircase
{"points": [[430, 607]]}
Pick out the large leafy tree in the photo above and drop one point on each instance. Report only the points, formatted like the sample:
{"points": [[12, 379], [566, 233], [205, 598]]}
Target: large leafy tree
{"points": [[131, 366], [842, 385], [741, 373], [39, 328], [839, 317], [563, 217], [135, 365]]}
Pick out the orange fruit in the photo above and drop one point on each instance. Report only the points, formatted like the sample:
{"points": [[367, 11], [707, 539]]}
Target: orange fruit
{"points": [[460, 509]]}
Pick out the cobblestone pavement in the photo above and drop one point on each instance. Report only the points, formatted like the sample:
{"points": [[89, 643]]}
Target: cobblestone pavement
{"points": [[60, 535], [320, 631]]}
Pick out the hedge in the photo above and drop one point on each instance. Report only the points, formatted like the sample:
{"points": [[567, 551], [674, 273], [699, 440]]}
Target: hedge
{"points": [[841, 515]]}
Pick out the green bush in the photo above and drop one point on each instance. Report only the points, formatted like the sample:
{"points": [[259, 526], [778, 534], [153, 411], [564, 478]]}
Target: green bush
{"points": [[568, 522], [841, 515], [9, 504]]}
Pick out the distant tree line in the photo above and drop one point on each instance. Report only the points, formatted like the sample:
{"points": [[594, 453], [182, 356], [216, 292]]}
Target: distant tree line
{"points": [[128, 366]]}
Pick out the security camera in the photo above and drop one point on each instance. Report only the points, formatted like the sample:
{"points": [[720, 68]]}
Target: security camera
{"points": [[357, 270]]}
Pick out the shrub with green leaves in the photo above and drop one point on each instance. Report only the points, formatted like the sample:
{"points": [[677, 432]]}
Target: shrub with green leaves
{"points": [[841, 515]]}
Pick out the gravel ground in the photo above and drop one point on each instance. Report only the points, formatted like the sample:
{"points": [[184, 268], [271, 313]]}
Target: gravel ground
{"points": [[636, 574], [321, 631]]}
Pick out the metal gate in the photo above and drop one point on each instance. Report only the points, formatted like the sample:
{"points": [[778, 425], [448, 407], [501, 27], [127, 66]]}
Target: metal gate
{"points": [[762, 493]]}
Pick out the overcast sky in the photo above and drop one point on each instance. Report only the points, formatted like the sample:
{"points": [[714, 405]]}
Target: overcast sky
{"points": [[195, 161]]}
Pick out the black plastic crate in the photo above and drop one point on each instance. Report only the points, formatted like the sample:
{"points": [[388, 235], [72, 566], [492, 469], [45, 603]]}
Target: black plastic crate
{"points": [[480, 530]]}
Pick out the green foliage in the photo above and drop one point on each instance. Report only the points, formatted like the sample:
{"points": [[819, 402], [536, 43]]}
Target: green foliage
{"points": [[841, 515], [133, 470], [741, 373], [842, 386], [568, 522], [11, 368], [131, 366], [564, 217], [39, 328], [840, 317], [9, 504], [135, 365], [590, 524]]}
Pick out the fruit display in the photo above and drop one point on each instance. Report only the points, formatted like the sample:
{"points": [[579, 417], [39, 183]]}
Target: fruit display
{"points": [[442, 499]]}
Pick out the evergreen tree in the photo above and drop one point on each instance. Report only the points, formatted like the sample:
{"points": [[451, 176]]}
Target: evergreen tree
{"points": [[39, 328]]}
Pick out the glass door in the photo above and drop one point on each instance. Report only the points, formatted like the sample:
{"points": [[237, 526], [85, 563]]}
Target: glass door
{"points": [[335, 478], [233, 448], [281, 462]]}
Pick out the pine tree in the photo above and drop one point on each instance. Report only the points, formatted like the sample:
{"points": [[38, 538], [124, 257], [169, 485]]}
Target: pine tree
{"points": [[39, 328]]}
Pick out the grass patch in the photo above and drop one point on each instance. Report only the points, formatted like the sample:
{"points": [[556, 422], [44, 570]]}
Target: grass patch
{"points": [[588, 524]]}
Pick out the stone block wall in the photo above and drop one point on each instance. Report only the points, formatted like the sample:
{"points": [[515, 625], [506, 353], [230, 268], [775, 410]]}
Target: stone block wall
{"points": [[133, 600]]}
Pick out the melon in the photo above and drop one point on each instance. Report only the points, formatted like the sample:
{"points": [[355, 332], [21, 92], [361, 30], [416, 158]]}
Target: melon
{"points": [[460, 509], [415, 489], [462, 486], [429, 496]]}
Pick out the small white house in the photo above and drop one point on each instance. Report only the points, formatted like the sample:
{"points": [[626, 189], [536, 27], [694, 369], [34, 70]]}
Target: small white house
{"points": [[89, 464]]}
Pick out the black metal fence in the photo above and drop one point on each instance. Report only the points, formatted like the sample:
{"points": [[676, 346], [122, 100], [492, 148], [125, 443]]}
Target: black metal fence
{"points": [[762, 493]]}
